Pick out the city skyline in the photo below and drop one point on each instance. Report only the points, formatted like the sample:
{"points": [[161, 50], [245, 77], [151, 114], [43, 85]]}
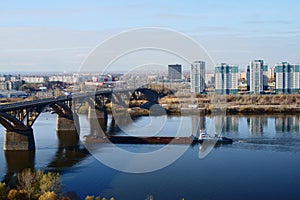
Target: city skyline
{"points": [[58, 36]]}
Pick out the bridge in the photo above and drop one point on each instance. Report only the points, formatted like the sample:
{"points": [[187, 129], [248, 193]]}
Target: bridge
{"points": [[18, 118]]}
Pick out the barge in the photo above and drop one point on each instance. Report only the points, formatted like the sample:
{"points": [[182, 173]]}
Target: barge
{"points": [[153, 140]]}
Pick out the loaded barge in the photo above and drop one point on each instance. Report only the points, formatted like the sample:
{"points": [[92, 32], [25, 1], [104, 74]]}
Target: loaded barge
{"points": [[154, 140]]}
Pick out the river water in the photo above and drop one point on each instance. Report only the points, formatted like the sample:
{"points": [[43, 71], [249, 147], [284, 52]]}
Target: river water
{"points": [[262, 163]]}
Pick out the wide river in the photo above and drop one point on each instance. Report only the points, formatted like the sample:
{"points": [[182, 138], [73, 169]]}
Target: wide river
{"points": [[262, 163]]}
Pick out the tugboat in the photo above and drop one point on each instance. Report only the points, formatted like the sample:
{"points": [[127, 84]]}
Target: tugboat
{"points": [[204, 137]]}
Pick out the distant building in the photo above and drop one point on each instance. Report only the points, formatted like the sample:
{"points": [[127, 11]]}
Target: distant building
{"points": [[198, 77], [271, 73], [287, 78], [248, 77], [13, 94], [242, 75], [242, 78], [226, 79], [70, 79], [175, 72], [210, 79], [35, 79], [257, 77], [9, 82]]}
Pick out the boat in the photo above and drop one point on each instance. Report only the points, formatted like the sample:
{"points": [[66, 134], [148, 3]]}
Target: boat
{"points": [[203, 136]]}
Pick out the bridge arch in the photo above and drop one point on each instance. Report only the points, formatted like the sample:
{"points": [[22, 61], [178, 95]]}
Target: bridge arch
{"points": [[149, 94], [18, 119], [10, 122]]}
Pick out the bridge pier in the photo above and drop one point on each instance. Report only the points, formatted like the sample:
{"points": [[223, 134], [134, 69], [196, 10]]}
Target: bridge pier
{"points": [[19, 140], [67, 130], [67, 138], [67, 123], [98, 118]]}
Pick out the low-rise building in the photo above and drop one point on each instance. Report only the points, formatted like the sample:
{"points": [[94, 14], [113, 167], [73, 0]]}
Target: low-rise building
{"points": [[35, 79], [70, 79]]}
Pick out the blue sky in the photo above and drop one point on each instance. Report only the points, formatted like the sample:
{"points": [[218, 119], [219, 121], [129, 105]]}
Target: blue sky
{"points": [[58, 35]]}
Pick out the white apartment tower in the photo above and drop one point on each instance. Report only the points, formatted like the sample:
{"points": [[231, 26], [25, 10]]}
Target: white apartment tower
{"points": [[287, 78], [197, 77], [226, 79], [257, 76]]}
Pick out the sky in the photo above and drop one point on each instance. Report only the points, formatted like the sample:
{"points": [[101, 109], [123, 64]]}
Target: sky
{"points": [[58, 36]]}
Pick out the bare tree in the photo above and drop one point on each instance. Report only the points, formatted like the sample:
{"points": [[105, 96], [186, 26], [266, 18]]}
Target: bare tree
{"points": [[26, 181]]}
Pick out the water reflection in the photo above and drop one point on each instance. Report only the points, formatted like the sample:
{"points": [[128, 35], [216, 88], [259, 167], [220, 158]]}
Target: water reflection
{"points": [[256, 124], [286, 124], [68, 153], [229, 124], [16, 161], [116, 125], [275, 133], [198, 124], [251, 132]]}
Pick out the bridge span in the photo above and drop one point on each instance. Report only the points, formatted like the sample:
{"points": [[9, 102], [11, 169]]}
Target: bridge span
{"points": [[18, 118]]}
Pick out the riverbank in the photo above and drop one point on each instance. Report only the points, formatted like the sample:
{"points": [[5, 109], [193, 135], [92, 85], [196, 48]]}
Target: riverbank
{"points": [[208, 104], [233, 104]]}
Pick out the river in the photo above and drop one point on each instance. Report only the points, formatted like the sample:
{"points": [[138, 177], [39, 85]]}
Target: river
{"points": [[262, 163]]}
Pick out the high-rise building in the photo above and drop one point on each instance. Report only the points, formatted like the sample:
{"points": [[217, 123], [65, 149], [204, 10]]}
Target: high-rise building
{"points": [[257, 77], [210, 79], [198, 77], [287, 78], [226, 78], [248, 77], [175, 72]]}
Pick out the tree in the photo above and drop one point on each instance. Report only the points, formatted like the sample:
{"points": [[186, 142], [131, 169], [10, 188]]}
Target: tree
{"points": [[17, 195], [48, 196], [50, 182], [89, 197], [26, 180], [38, 183], [2, 191]]}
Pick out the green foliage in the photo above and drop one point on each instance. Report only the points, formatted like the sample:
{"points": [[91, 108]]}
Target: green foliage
{"points": [[38, 183], [48, 196], [2, 191], [50, 182]]}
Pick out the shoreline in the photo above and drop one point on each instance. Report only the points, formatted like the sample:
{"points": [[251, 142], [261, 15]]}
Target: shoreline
{"points": [[230, 110]]}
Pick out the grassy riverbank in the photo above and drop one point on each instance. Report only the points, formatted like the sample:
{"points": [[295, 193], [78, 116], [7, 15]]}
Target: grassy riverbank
{"points": [[233, 104], [208, 104]]}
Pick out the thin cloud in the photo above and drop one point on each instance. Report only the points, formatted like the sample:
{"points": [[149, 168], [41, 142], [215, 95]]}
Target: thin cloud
{"points": [[281, 22], [47, 50]]}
